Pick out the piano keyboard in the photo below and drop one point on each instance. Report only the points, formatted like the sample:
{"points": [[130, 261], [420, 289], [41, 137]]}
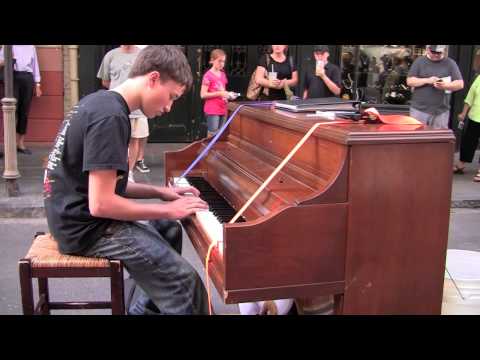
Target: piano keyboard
{"points": [[219, 212]]}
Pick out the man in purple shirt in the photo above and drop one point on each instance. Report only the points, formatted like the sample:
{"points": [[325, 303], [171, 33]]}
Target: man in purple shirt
{"points": [[26, 83]]}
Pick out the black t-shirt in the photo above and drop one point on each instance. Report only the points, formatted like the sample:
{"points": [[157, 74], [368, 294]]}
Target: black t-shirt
{"points": [[93, 136], [316, 86], [284, 71]]}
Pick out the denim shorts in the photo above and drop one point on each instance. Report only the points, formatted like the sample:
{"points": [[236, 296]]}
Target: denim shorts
{"points": [[215, 122]]}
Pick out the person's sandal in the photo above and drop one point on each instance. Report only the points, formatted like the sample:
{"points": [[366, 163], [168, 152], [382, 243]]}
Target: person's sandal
{"points": [[458, 170], [477, 177]]}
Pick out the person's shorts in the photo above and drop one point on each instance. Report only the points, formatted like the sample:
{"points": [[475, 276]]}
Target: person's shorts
{"points": [[139, 127]]}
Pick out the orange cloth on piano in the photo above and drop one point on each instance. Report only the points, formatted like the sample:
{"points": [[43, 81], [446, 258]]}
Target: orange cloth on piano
{"points": [[392, 119]]}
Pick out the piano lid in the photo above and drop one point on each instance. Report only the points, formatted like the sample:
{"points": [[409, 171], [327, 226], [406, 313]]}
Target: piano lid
{"points": [[355, 133]]}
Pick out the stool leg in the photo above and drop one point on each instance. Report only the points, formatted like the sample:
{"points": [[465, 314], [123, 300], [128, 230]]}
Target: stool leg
{"points": [[116, 286], [43, 293], [26, 287]]}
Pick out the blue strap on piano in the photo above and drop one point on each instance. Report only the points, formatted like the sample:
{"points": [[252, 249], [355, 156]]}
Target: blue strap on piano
{"points": [[221, 131]]}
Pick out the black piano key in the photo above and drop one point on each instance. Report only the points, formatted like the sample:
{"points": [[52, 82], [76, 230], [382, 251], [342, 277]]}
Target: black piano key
{"points": [[220, 208]]}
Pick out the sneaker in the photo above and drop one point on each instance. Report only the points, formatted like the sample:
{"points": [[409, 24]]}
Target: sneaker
{"points": [[130, 177], [142, 167]]}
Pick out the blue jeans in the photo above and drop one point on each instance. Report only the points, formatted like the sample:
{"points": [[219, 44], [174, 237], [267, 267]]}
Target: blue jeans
{"points": [[215, 122], [151, 254]]}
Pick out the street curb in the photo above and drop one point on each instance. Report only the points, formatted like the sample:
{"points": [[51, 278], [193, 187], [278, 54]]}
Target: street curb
{"points": [[465, 204]]}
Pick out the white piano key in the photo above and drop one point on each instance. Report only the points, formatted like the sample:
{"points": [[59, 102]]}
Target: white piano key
{"points": [[209, 222]]}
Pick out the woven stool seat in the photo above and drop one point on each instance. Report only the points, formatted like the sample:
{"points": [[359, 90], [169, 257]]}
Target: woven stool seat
{"points": [[44, 261], [44, 253]]}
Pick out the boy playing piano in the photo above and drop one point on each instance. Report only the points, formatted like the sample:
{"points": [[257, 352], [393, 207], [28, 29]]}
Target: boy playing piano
{"points": [[88, 199]]}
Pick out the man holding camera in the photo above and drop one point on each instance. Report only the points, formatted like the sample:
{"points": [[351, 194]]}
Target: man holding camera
{"points": [[324, 80], [433, 78]]}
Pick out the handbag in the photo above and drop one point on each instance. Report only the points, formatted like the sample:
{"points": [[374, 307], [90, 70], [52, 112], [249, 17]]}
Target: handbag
{"points": [[254, 90]]}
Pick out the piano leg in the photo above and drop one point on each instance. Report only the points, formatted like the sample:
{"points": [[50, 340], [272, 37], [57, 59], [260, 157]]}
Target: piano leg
{"points": [[338, 304]]}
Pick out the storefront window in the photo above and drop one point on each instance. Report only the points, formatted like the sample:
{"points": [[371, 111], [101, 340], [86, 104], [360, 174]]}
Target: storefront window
{"points": [[378, 73]]}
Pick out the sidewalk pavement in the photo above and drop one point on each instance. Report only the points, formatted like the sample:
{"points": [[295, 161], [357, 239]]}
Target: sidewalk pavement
{"points": [[21, 217]]}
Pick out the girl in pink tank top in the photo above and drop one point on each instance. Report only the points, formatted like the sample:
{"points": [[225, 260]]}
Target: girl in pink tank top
{"points": [[214, 91]]}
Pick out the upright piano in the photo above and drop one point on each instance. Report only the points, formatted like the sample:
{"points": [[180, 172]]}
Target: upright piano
{"points": [[361, 212]]}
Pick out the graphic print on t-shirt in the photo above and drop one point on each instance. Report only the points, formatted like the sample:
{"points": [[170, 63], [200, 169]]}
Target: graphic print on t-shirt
{"points": [[56, 154]]}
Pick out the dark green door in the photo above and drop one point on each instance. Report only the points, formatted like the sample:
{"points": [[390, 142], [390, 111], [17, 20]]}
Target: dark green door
{"points": [[89, 60], [186, 121], [241, 62], [177, 126], [173, 127]]}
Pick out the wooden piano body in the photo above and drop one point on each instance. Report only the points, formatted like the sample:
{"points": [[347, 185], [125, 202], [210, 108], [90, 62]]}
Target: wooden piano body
{"points": [[360, 212]]}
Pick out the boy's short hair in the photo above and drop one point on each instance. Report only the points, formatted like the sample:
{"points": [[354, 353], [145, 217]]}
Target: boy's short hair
{"points": [[168, 60]]}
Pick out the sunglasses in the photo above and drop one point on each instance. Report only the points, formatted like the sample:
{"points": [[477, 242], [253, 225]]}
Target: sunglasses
{"points": [[436, 52]]}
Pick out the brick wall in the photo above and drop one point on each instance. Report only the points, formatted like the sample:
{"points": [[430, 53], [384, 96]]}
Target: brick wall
{"points": [[47, 112]]}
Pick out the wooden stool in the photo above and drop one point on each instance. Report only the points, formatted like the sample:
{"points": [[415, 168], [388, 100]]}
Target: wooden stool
{"points": [[44, 261]]}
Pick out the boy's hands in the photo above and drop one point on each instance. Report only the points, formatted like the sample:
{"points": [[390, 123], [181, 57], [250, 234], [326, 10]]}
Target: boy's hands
{"points": [[175, 193], [182, 206], [185, 206]]}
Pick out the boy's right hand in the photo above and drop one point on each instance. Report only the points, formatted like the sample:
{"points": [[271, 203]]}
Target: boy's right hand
{"points": [[185, 206]]}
